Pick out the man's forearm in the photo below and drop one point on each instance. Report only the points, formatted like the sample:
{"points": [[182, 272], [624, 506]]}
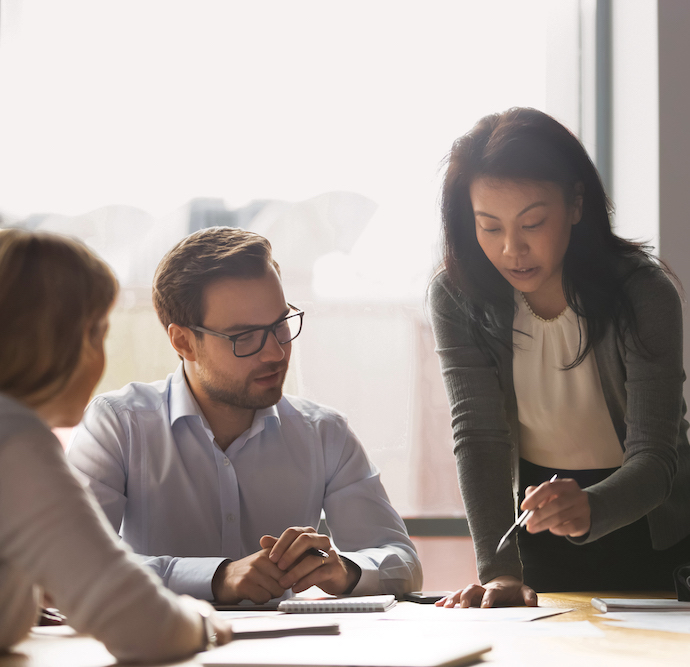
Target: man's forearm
{"points": [[186, 576]]}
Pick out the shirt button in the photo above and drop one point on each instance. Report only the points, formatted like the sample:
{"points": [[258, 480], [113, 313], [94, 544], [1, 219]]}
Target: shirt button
{"points": [[230, 517], [226, 461]]}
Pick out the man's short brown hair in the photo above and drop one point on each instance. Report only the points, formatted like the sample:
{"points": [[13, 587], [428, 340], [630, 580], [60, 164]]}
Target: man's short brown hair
{"points": [[200, 259]]}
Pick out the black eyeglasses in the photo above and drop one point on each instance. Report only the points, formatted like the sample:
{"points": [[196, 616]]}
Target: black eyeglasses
{"points": [[251, 342]]}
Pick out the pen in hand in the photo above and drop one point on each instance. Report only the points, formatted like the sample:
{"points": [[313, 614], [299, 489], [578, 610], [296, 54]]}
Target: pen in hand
{"points": [[51, 616], [319, 553], [519, 523]]}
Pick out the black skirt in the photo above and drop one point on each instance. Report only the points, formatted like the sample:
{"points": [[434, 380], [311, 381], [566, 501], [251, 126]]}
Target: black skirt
{"points": [[623, 560]]}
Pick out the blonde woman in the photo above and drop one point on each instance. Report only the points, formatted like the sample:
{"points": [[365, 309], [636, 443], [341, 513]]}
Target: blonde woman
{"points": [[55, 297]]}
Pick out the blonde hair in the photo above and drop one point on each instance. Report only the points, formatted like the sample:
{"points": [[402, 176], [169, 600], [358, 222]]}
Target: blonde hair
{"points": [[52, 290]]}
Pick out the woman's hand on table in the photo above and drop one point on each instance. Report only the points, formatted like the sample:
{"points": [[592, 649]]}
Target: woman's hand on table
{"points": [[504, 591]]}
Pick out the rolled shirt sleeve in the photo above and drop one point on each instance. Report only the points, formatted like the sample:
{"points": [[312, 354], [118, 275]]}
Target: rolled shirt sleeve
{"points": [[363, 523]]}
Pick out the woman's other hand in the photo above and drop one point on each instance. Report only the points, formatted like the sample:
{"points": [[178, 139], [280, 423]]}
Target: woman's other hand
{"points": [[561, 507], [505, 591]]}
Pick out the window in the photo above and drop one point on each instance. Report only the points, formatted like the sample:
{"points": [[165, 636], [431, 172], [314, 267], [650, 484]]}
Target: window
{"points": [[322, 125]]}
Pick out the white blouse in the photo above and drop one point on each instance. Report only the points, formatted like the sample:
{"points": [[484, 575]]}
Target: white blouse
{"points": [[564, 421], [54, 537]]}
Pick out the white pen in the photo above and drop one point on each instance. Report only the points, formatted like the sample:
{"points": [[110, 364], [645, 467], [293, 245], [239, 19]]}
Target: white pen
{"points": [[519, 523]]}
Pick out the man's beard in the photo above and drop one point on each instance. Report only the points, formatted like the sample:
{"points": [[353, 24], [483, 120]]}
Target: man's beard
{"points": [[239, 396]]}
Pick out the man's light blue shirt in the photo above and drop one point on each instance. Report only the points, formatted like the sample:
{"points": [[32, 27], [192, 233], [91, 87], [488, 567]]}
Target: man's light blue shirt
{"points": [[149, 456]]}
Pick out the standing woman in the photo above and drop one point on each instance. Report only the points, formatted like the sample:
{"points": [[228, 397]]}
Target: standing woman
{"points": [[561, 350], [55, 297]]}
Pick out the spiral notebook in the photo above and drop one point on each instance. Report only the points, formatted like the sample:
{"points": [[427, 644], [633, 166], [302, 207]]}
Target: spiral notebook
{"points": [[325, 605]]}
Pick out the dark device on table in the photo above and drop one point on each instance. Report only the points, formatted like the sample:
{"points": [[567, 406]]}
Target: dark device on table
{"points": [[681, 578], [425, 597]]}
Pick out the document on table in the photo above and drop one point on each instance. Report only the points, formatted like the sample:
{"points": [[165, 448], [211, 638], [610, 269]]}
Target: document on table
{"points": [[269, 606], [489, 631], [411, 611], [258, 627], [363, 646], [231, 615], [669, 621]]}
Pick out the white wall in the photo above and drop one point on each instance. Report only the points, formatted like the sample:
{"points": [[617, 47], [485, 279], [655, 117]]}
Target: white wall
{"points": [[674, 145], [651, 136], [563, 63], [635, 183]]}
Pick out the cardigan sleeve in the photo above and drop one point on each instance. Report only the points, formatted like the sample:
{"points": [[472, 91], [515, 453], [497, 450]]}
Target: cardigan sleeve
{"points": [[654, 376], [483, 445]]}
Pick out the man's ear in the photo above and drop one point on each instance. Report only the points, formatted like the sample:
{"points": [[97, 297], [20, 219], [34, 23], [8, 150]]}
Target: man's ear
{"points": [[183, 340]]}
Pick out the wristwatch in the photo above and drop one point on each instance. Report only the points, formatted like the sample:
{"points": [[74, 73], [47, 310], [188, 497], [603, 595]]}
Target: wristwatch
{"points": [[210, 635]]}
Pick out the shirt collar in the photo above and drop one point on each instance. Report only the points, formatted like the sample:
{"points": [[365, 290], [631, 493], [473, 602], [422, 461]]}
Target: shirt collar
{"points": [[181, 401], [183, 404], [261, 417]]}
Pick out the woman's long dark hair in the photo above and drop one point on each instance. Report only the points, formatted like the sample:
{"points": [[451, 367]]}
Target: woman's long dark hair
{"points": [[524, 144]]}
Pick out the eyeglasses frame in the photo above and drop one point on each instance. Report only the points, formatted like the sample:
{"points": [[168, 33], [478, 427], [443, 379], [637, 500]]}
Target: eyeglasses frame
{"points": [[271, 328]]}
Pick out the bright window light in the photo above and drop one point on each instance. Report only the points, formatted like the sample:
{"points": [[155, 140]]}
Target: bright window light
{"points": [[117, 114]]}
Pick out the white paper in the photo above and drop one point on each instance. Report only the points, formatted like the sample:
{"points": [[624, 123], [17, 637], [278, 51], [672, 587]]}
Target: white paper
{"points": [[668, 621], [496, 629], [409, 611], [230, 615], [413, 611], [287, 624], [367, 647], [54, 631]]}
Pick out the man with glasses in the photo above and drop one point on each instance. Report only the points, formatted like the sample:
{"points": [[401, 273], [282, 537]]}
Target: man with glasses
{"points": [[217, 478]]}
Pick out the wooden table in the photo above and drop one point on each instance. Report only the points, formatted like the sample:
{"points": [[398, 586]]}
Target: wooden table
{"points": [[617, 647]]}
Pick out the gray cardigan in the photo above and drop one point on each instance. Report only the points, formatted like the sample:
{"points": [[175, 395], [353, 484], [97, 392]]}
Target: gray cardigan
{"points": [[644, 397]]}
